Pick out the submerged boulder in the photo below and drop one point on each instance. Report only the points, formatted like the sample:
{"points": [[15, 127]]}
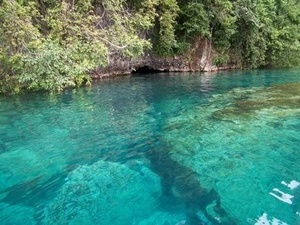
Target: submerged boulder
{"points": [[105, 193]]}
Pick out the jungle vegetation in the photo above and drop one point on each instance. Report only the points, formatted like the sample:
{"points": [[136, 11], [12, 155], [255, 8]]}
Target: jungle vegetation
{"points": [[53, 44]]}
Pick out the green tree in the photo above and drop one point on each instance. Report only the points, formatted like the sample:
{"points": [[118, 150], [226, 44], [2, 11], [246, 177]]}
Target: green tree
{"points": [[51, 45], [268, 32], [164, 32], [284, 37]]}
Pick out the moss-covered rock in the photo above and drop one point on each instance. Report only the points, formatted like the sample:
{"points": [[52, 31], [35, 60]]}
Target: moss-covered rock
{"points": [[283, 96]]}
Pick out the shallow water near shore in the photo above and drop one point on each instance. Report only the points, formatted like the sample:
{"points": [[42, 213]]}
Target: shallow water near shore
{"points": [[155, 149]]}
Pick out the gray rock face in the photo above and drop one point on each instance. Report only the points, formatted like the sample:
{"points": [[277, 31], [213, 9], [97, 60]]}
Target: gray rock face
{"points": [[198, 58]]}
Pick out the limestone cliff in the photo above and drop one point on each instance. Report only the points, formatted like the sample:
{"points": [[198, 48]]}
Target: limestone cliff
{"points": [[198, 58]]}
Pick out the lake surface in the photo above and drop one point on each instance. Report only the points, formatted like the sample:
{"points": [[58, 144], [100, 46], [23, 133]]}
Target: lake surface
{"points": [[155, 149]]}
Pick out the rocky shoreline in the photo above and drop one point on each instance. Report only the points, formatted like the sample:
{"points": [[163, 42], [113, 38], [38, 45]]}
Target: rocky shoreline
{"points": [[198, 59]]}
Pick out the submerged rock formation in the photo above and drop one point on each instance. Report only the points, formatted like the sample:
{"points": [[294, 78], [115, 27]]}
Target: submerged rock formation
{"points": [[182, 183], [247, 102], [104, 193]]}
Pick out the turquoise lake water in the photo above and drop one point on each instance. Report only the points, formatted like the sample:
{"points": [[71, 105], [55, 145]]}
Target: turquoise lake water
{"points": [[155, 149]]}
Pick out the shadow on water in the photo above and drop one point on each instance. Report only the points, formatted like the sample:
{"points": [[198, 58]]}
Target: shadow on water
{"points": [[181, 183]]}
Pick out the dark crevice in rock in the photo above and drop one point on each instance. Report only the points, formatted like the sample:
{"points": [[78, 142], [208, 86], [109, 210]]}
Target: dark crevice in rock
{"points": [[147, 69], [181, 183]]}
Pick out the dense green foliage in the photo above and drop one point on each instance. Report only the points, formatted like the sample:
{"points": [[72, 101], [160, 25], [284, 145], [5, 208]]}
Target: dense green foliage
{"points": [[50, 45]]}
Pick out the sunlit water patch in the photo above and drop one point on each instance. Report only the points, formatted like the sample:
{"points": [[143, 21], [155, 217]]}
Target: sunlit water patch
{"points": [[165, 149]]}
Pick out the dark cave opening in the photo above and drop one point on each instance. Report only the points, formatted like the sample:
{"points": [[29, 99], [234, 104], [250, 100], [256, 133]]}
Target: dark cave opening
{"points": [[146, 69]]}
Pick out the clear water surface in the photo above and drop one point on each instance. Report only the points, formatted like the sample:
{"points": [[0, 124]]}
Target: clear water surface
{"points": [[155, 149]]}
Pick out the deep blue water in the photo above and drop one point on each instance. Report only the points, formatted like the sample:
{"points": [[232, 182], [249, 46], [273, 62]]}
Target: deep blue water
{"points": [[155, 149]]}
